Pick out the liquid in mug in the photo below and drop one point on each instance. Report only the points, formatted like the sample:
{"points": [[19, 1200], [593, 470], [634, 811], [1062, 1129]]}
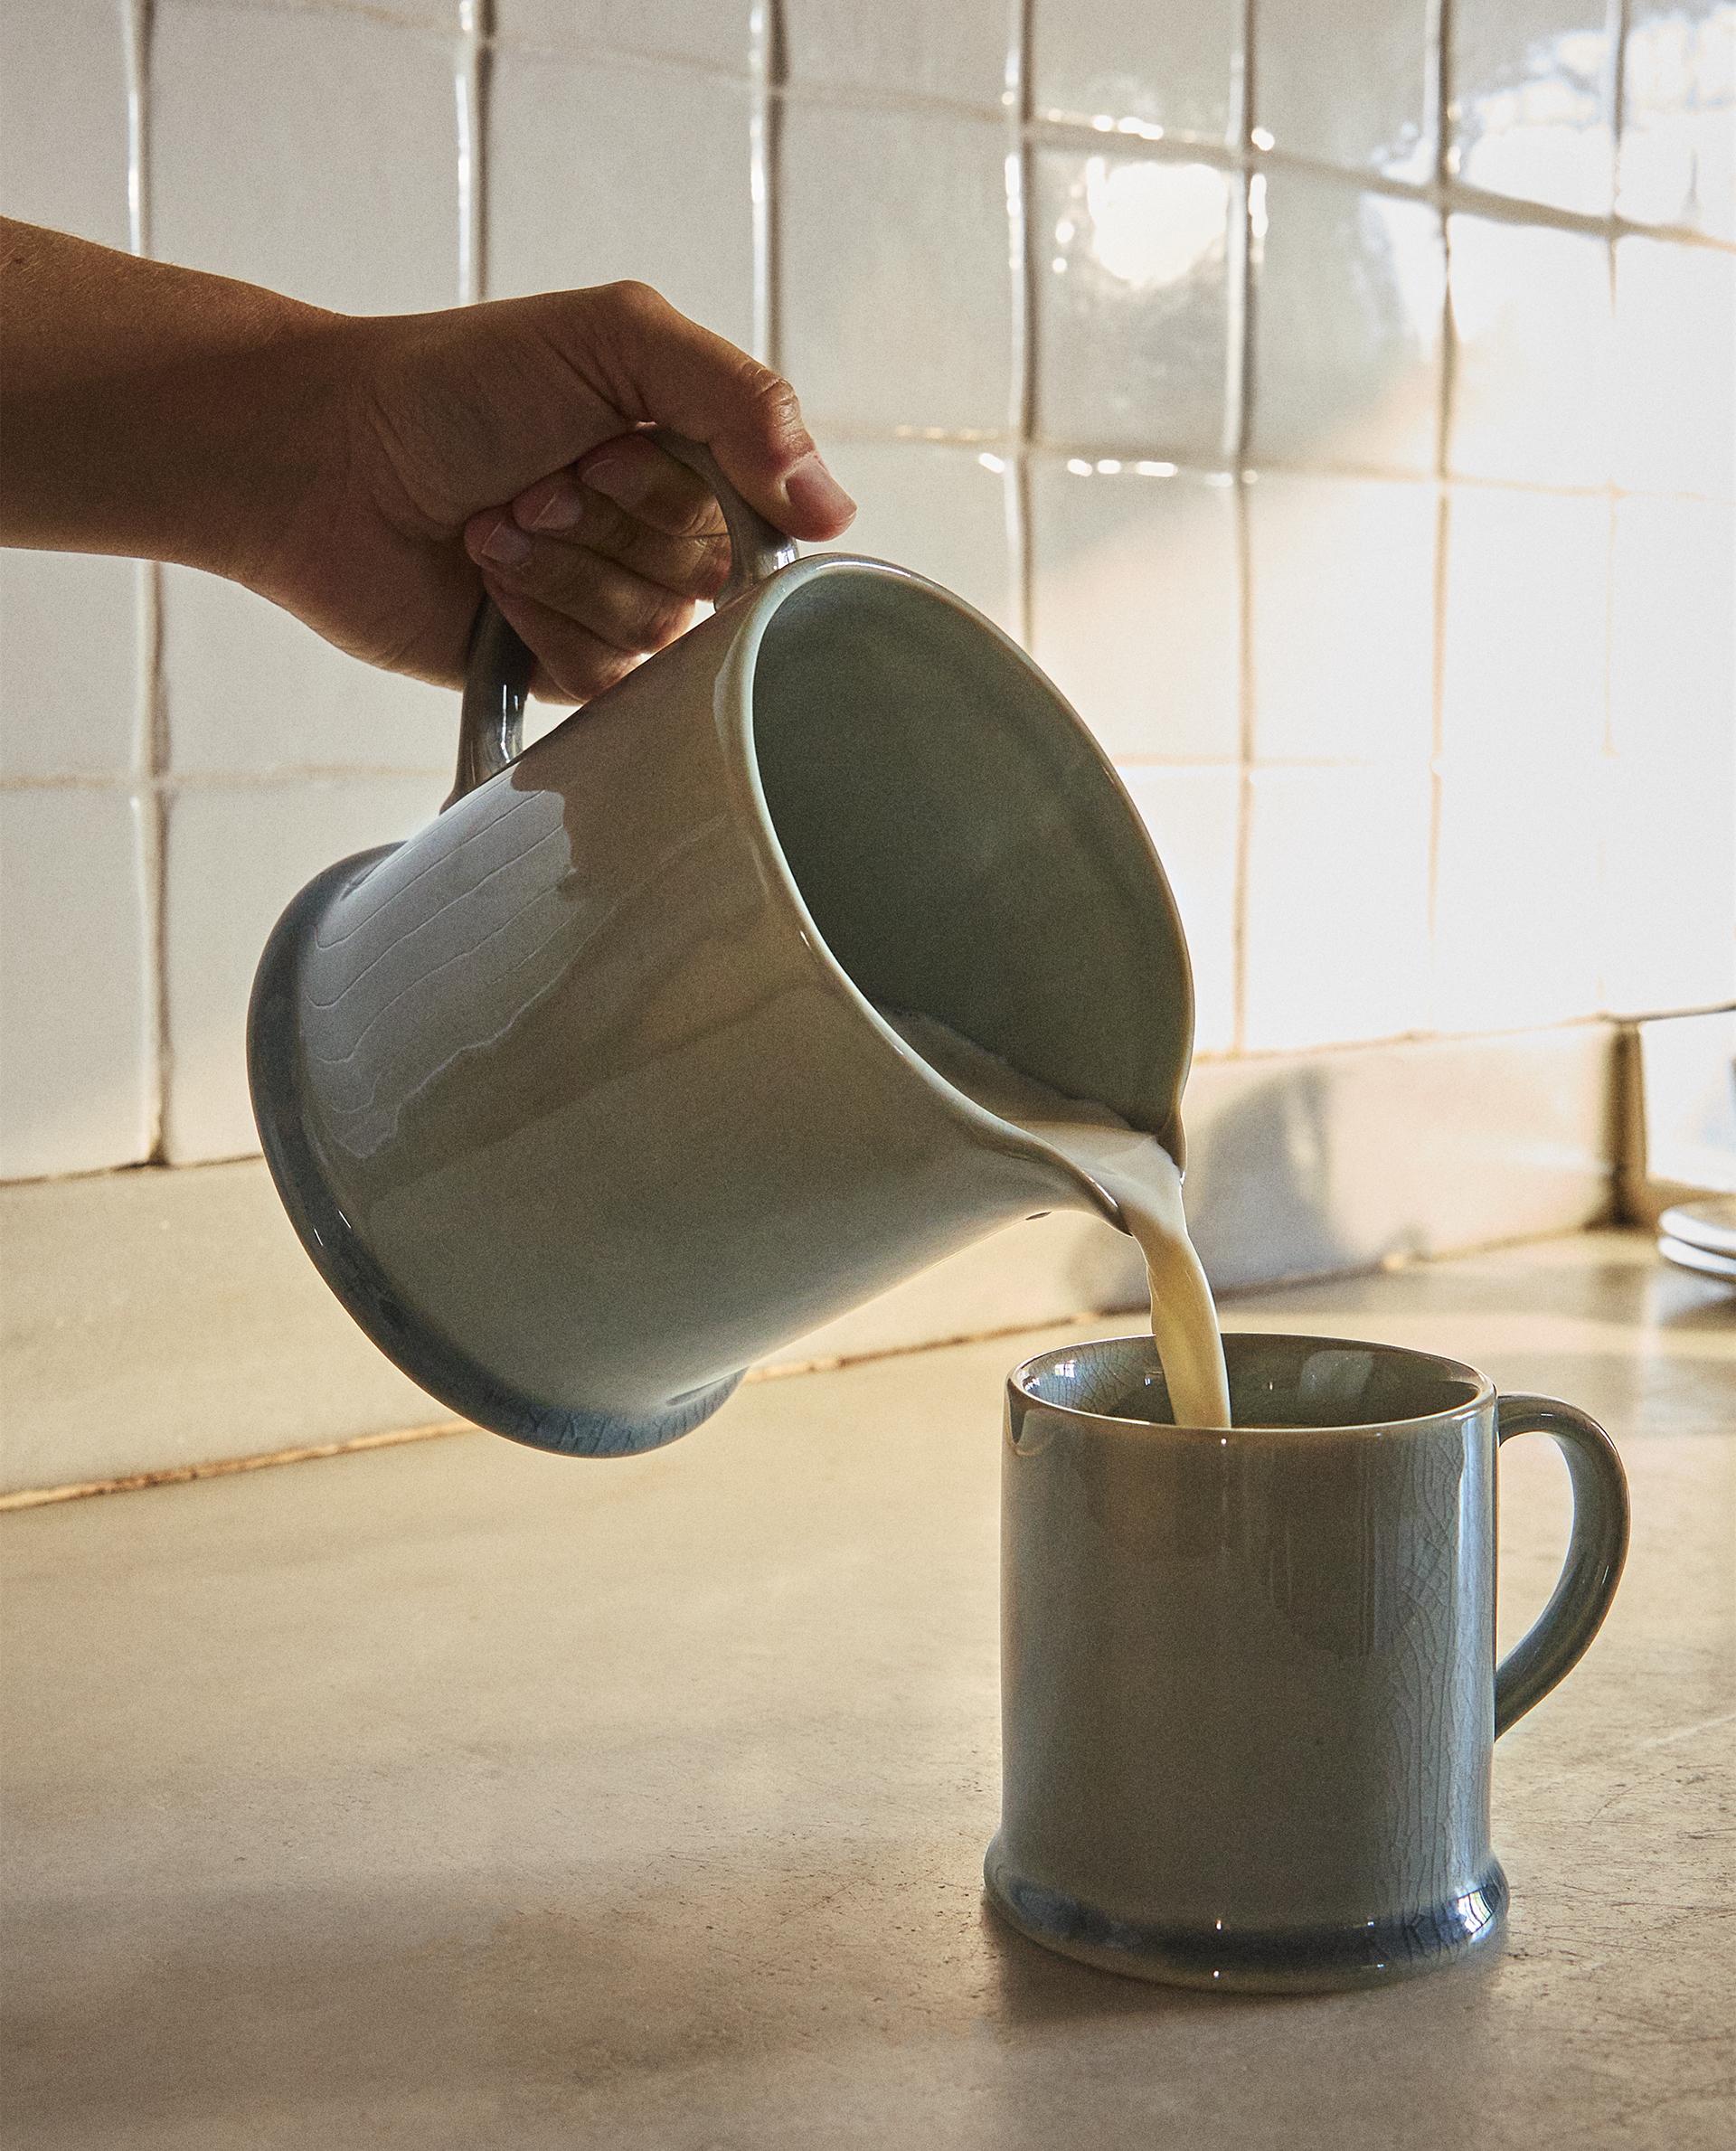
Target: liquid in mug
{"points": [[1144, 1183]]}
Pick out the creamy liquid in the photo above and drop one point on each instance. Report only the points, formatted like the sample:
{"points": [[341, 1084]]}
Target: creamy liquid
{"points": [[1132, 1168]]}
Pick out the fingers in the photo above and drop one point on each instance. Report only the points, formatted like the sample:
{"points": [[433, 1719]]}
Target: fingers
{"points": [[654, 365], [572, 663], [673, 535], [627, 610]]}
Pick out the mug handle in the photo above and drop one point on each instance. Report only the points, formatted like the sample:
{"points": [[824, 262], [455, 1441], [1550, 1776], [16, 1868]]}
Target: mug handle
{"points": [[1596, 1549], [498, 667]]}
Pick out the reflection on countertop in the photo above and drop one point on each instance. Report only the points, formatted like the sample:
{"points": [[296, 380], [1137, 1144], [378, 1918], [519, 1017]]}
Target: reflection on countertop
{"points": [[457, 1794]]}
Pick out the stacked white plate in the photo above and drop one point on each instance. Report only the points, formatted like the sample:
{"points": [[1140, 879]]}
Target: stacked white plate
{"points": [[1701, 1236]]}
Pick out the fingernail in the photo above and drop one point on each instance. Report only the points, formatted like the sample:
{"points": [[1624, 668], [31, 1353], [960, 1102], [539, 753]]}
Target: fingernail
{"points": [[505, 546], [619, 478], [812, 490], [564, 510]]}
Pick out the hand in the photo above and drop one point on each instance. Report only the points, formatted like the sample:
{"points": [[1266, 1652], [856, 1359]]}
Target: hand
{"points": [[492, 448], [373, 475]]}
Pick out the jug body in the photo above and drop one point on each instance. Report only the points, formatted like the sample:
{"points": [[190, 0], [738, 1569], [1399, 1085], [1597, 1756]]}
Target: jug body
{"points": [[580, 1098]]}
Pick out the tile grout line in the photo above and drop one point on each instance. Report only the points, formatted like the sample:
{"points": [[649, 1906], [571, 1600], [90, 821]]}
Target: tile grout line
{"points": [[150, 736], [1441, 93], [766, 55], [1250, 199], [475, 24], [1023, 393]]}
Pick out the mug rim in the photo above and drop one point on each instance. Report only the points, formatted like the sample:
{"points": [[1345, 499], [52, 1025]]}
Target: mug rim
{"points": [[735, 728], [1019, 1390]]}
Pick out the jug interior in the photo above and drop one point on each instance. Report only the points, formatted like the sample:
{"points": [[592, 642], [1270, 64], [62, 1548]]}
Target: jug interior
{"points": [[962, 844]]}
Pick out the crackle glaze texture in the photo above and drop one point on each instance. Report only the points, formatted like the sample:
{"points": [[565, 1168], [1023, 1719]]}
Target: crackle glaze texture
{"points": [[1248, 1680]]}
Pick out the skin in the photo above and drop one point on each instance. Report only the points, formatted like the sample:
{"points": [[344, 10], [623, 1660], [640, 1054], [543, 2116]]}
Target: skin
{"points": [[374, 475]]}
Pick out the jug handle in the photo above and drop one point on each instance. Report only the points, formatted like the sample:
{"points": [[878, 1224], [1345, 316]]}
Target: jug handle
{"points": [[498, 667]]}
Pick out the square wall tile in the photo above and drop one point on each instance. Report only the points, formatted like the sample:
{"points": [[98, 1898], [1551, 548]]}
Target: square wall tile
{"points": [[314, 152], [77, 1048], [609, 170], [715, 32], [235, 857], [938, 507], [1123, 65], [1677, 156], [1532, 330], [1342, 597], [1194, 816], [1347, 84], [1672, 631], [248, 689], [1135, 607], [1523, 651], [897, 276], [1533, 90], [1348, 292], [1669, 888], [1336, 939], [63, 118], [69, 664], [1515, 893], [1133, 303], [904, 48], [1675, 368]]}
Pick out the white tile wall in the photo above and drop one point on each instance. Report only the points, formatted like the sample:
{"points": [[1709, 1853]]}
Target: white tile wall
{"points": [[1532, 322], [1193, 815], [627, 207], [1678, 144], [63, 118], [1131, 263], [1533, 90], [1349, 83], [315, 152], [1335, 768], [1337, 906], [942, 508], [895, 268], [1347, 305], [247, 689], [69, 664], [1523, 658], [1342, 603], [1123, 65], [908, 48], [235, 857], [714, 33], [1135, 606], [77, 1039], [1675, 369]]}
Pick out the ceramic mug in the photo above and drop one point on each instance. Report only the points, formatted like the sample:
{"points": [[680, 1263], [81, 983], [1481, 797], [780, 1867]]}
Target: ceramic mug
{"points": [[1248, 1685], [580, 1098]]}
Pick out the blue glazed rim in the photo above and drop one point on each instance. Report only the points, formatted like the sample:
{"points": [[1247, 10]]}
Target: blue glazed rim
{"points": [[1272, 1961], [431, 1359]]}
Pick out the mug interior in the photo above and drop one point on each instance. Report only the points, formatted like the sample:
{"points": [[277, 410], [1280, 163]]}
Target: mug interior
{"points": [[1275, 1382], [965, 850]]}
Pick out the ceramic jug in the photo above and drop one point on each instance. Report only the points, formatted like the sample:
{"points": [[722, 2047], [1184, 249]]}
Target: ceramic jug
{"points": [[580, 1098]]}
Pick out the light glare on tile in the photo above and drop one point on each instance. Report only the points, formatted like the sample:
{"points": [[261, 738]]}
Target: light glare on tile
{"points": [[1150, 224]]}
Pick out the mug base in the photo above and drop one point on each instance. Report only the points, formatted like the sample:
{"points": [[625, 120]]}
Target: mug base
{"points": [[431, 1360], [1276, 1960]]}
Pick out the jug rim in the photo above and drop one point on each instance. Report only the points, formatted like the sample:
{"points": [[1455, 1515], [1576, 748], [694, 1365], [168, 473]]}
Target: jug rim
{"points": [[736, 730]]}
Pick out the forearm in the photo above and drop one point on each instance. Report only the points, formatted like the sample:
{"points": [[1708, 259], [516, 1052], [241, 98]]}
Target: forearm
{"points": [[154, 410]]}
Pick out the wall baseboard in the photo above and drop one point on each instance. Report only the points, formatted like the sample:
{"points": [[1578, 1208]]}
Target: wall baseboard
{"points": [[154, 1320]]}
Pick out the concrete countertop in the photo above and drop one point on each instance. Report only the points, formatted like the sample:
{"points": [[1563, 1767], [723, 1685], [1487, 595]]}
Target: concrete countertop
{"points": [[459, 1795]]}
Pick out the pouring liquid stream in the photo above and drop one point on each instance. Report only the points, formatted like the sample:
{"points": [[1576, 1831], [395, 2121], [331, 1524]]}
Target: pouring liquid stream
{"points": [[1132, 1168]]}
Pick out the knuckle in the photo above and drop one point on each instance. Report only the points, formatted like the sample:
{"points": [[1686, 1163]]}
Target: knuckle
{"points": [[779, 407], [634, 300]]}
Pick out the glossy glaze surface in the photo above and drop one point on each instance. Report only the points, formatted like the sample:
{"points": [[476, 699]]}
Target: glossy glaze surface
{"points": [[576, 1096], [1249, 1692]]}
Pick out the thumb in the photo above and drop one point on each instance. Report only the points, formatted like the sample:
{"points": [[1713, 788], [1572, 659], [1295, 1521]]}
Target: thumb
{"points": [[656, 366]]}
